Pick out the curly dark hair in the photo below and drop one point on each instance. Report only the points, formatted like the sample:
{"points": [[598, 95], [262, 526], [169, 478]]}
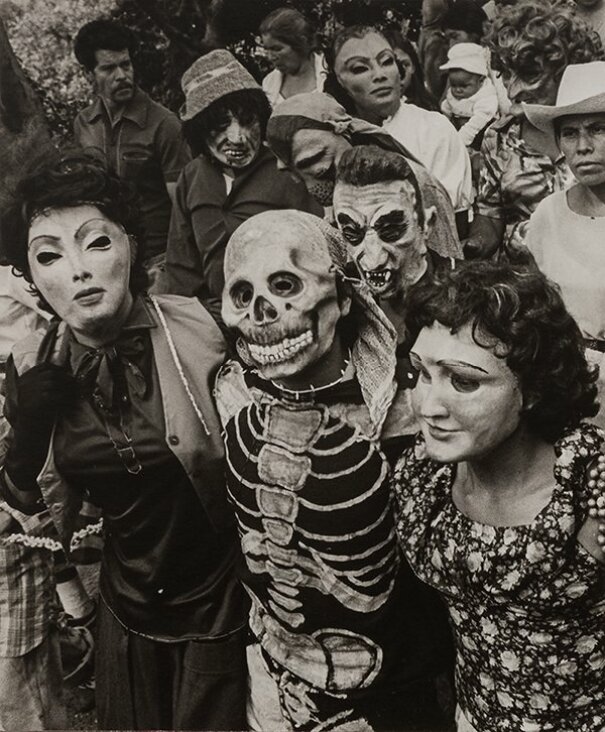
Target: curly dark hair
{"points": [[101, 35], [64, 179], [534, 37], [518, 314], [246, 105]]}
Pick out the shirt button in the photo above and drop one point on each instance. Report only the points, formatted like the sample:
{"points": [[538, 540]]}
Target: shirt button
{"points": [[173, 440]]}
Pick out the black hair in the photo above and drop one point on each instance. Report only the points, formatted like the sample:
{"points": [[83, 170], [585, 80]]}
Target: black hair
{"points": [[516, 312], [101, 35], [246, 105], [366, 165], [292, 28], [465, 15], [416, 93], [54, 180]]}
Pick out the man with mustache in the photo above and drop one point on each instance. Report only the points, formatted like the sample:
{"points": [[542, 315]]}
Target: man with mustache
{"points": [[137, 138]]}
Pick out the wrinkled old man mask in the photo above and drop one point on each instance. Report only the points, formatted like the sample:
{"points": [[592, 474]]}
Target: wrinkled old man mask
{"points": [[281, 296], [384, 237]]}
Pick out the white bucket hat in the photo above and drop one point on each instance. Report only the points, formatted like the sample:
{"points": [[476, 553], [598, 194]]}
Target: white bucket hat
{"points": [[581, 91], [468, 57]]}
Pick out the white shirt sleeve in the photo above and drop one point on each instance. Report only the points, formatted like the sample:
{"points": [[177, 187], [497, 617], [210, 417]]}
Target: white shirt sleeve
{"points": [[485, 109], [446, 156]]}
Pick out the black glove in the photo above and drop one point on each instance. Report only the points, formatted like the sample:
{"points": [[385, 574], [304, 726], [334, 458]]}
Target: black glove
{"points": [[43, 394]]}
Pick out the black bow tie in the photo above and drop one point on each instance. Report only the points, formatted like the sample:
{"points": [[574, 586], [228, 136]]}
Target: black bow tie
{"points": [[110, 372]]}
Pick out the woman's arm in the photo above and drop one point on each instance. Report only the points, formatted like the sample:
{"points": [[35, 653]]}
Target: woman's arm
{"points": [[588, 538], [36, 398]]}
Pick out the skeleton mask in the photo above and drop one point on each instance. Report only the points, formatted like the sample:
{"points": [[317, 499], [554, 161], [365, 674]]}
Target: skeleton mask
{"points": [[385, 239], [280, 292]]}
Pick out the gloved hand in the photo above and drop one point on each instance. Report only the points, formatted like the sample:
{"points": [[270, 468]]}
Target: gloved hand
{"points": [[44, 393]]}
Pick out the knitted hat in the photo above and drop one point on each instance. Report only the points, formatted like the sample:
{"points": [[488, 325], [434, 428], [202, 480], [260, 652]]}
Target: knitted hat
{"points": [[211, 77], [468, 57]]}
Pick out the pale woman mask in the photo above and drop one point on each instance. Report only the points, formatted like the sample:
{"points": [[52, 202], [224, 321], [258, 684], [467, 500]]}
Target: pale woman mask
{"points": [[80, 262], [467, 399]]}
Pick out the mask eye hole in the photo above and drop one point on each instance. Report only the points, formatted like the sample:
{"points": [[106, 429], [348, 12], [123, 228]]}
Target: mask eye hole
{"points": [[285, 284], [241, 294]]}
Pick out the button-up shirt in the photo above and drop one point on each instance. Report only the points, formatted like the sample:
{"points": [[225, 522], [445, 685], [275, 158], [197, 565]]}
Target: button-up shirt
{"points": [[515, 178], [144, 146], [206, 214]]}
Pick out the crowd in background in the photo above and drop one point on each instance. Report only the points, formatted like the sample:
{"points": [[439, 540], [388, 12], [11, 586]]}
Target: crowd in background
{"points": [[312, 370]]}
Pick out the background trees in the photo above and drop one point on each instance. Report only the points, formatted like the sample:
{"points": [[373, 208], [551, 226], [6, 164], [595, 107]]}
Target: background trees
{"points": [[172, 34]]}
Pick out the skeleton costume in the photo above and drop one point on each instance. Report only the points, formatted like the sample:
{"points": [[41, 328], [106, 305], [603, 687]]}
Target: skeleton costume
{"points": [[345, 637]]}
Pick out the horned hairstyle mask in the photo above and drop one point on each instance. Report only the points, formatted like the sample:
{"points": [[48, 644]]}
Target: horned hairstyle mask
{"points": [[281, 293]]}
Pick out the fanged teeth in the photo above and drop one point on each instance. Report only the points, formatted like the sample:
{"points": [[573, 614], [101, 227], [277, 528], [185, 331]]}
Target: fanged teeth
{"points": [[379, 277], [282, 351]]}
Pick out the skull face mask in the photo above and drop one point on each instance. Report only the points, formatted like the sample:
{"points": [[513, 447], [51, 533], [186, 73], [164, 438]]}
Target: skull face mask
{"points": [[385, 240], [281, 293]]}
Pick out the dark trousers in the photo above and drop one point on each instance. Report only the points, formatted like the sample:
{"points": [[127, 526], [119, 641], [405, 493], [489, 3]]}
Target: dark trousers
{"points": [[147, 684]]}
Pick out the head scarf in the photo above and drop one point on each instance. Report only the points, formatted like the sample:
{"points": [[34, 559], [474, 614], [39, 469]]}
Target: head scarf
{"points": [[319, 111], [373, 353]]}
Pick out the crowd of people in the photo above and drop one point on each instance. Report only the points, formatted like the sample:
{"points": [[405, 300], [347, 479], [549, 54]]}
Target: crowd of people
{"points": [[312, 370]]}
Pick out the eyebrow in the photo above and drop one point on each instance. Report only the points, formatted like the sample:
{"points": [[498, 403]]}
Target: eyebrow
{"points": [[344, 218], [315, 157], [465, 364], [397, 216], [78, 235]]}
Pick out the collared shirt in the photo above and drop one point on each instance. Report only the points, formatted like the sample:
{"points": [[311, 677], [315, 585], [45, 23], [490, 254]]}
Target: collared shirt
{"points": [[515, 178], [432, 138], [144, 146], [205, 215], [272, 83], [167, 573]]}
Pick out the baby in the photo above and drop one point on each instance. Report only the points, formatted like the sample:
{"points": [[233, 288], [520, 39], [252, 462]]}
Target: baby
{"points": [[471, 101]]}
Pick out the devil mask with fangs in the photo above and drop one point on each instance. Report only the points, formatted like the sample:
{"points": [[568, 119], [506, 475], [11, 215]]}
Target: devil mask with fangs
{"points": [[378, 208]]}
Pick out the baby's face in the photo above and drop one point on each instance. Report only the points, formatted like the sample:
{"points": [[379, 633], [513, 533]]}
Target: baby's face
{"points": [[464, 84]]}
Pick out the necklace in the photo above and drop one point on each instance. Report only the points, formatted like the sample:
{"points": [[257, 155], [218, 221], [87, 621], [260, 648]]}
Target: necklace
{"points": [[297, 394], [596, 501]]}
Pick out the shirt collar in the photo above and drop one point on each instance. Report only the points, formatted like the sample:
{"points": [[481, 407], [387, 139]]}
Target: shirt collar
{"points": [[135, 110], [139, 318]]}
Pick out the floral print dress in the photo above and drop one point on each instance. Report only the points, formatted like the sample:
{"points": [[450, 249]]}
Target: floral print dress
{"points": [[527, 603]]}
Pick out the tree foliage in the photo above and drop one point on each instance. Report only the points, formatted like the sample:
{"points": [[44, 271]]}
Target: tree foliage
{"points": [[171, 34]]}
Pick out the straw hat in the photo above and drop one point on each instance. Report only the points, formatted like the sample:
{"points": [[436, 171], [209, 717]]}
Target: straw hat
{"points": [[211, 77], [468, 57], [581, 91]]}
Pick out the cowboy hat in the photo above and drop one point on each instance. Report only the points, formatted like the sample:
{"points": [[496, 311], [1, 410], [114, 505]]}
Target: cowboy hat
{"points": [[581, 91]]}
